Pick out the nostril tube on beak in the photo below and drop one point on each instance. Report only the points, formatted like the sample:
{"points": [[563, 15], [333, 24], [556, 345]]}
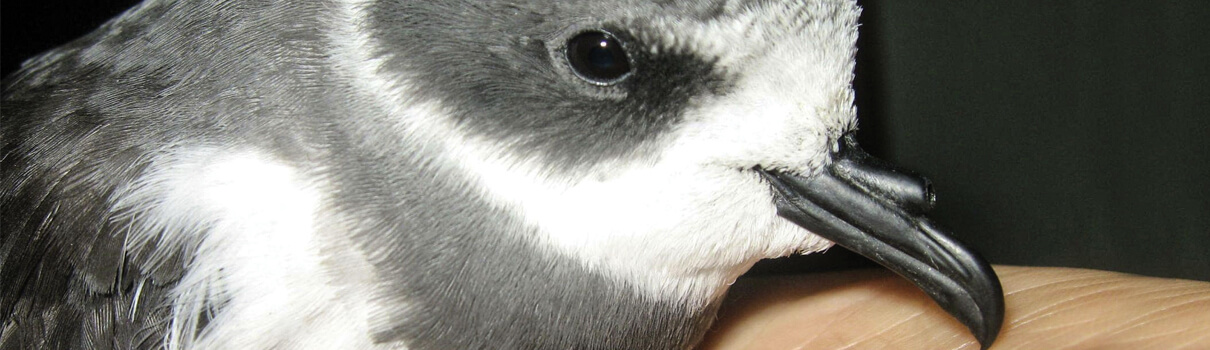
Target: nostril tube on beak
{"points": [[930, 197], [910, 191]]}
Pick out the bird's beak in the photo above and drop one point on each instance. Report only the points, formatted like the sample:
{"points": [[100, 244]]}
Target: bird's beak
{"points": [[877, 211]]}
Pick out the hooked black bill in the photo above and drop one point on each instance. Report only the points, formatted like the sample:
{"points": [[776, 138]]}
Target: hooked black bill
{"points": [[875, 210]]}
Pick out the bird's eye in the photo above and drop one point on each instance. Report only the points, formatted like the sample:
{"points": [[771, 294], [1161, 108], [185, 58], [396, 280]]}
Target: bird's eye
{"points": [[598, 57]]}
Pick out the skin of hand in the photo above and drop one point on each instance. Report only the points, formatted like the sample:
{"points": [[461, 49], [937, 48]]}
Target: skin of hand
{"points": [[1046, 308]]}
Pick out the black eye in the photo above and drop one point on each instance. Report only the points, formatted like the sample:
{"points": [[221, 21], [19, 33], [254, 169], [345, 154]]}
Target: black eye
{"points": [[598, 57]]}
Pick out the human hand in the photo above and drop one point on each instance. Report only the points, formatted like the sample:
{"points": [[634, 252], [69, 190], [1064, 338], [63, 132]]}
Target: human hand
{"points": [[1046, 308]]}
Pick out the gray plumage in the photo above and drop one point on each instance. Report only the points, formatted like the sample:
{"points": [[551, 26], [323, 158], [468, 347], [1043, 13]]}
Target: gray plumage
{"points": [[82, 120], [117, 147]]}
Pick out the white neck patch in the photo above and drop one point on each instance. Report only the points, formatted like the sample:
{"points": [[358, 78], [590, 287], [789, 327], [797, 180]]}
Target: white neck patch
{"points": [[262, 269]]}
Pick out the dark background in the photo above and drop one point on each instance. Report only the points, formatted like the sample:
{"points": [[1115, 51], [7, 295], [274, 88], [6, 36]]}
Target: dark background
{"points": [[1057, 133]]}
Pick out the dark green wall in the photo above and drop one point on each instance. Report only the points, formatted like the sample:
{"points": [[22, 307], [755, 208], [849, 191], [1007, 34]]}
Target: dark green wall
{"points": [[1066, 133]]}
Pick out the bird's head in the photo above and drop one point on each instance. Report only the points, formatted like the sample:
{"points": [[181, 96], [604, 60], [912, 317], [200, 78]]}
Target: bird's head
{"points": [[665, 146]]}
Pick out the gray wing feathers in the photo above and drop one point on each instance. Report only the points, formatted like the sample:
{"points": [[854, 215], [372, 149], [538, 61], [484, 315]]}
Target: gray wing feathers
{"points": [[68, 280]]}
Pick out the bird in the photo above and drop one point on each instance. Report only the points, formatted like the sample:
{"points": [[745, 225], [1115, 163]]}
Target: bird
{"points": [[401, 174]]}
